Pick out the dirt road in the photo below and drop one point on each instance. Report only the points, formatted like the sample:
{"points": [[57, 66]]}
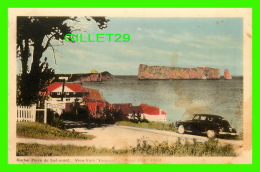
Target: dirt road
{"points": [[124, 137]]}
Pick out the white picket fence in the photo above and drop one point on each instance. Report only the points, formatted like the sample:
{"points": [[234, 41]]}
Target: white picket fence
{"points": [[26, 113]]}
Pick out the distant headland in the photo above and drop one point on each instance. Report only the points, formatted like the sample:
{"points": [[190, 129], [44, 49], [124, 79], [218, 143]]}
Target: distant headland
{"points": [[91, 76]]}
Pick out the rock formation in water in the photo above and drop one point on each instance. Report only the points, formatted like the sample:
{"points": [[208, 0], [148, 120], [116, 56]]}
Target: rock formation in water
{"points": [[227, 74], [103, 76], [162, 72]]}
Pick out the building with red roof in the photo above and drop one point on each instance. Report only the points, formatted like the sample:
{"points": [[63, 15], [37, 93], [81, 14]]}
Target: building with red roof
{"points": [[124, 107], [65, 92], [70, 93], [96, 108], [152, 113], [151, 110]]}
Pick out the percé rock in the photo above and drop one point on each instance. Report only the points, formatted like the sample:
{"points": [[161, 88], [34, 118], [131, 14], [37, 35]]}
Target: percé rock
{"points": [[162, 72]]}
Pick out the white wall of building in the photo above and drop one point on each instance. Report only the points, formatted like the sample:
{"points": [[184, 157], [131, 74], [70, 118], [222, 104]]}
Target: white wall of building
{"points": [[155, 118]]}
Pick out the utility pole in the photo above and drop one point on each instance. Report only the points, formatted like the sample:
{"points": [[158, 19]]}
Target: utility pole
{"points": [[62, 92], [63, 86]]}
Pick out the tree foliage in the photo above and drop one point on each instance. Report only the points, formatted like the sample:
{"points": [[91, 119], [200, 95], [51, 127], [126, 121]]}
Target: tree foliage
{"points": [[34, 37]]}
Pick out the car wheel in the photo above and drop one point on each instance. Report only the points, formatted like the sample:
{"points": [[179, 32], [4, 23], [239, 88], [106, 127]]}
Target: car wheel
{"points": [[211, 133], [181, 129]]}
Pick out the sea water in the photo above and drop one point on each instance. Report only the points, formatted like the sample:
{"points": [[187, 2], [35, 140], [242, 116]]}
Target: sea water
{"points": [[180, 99]]}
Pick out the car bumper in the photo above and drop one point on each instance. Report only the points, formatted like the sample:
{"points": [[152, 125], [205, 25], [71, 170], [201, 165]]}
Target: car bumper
{"points": [[228, 133]]}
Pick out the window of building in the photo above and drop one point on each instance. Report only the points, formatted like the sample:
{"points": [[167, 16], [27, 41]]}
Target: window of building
{"points": [[58, 93]]}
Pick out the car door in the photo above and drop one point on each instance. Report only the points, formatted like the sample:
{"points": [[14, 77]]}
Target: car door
{"points": [[203, 123], [195, 125]]}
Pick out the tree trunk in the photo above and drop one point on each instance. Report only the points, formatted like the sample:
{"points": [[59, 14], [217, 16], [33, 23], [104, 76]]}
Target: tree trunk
{"points": [[24, 56], [31, 81], [37, 54]]}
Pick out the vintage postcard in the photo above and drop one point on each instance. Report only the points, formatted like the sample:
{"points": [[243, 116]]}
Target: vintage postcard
{"points": [[130, 86]]}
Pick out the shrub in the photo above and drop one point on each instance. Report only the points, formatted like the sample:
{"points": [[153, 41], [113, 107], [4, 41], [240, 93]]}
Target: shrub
{"points": [[76, 113], [143, 148], [54, 120], [209, 148]]}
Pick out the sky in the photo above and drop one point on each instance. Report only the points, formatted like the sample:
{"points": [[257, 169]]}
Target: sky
{"points": [[177, 42]]}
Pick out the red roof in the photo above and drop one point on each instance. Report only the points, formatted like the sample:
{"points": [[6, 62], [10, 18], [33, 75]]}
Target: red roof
{"points": [[92, 106], [73, 87], [128, 108], [137, 109], [151, 110], [125, 107], [54, 86]]}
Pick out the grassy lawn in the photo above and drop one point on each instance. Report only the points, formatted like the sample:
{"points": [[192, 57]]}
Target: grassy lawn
{"points": [[152, 125], [44, 131], [143, 148], [24, 149]]}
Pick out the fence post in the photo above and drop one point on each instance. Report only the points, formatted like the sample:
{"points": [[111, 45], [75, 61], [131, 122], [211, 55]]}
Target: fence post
{"points": [[26, 115], [18, 114], [45, 112], [33, 113]]}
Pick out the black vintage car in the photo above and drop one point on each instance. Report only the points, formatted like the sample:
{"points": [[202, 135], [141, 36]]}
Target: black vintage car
{"points": [[211, 125]]}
